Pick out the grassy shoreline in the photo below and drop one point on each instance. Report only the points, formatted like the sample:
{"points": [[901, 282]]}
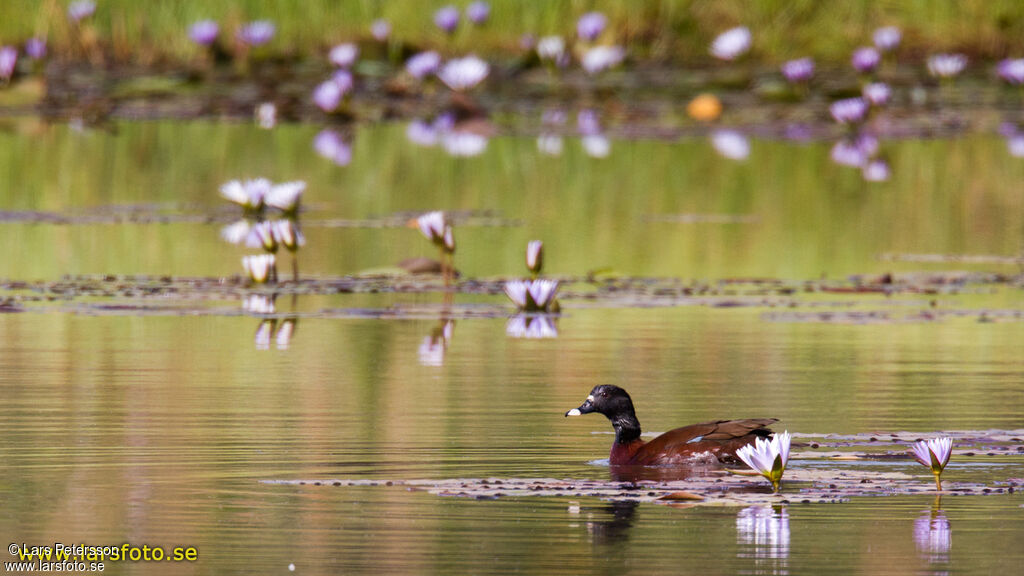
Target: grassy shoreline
{"points": [[677, 31]]}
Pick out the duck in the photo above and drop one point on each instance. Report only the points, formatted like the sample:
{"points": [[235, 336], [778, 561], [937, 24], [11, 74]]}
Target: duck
{"points": [[716, 440]]}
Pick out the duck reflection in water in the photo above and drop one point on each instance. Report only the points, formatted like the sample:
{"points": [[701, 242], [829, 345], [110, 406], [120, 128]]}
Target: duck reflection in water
{"points": [[435, 345], [933, 535], [762, 533], [609, 524]]}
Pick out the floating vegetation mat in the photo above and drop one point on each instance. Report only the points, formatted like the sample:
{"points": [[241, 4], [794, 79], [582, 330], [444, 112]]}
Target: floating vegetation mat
{"points": [[855, 300], [825, 469]]}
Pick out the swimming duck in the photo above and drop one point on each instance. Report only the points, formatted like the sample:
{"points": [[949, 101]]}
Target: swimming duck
{"points": [[718, 439]]}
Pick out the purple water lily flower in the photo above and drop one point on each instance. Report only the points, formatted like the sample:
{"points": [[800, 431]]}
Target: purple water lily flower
{"points": [[798, 71], [327, 96], [601, 58], [461, 74], [423, 64], [330, 145], [849, 110], [532, 295], [380, 30], [344, 55], [204, 32], [934, 454], [591, 25], [887, 38], [8, 59], [447, 19], [478, 12], [81, 9], [256, 33], [588, 123], [534, 256], [731, 44], [35, 48], [877, 93], [865, 60], [1012, 71], [946, 65], [550, 48]]}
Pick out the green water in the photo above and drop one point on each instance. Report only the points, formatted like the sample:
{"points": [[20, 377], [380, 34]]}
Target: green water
{"points": [[159, 429]]}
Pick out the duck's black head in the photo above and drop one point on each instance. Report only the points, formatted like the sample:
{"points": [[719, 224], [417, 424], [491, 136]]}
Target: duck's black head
{"points": [[609, 400]]}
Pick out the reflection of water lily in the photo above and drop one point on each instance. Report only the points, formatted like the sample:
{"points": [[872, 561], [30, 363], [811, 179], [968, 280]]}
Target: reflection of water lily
{"points": [[266, 115], [765, 529], [933, 536], [731, 44], [259, 304], [597, 146], [235, 233], [768, 457], [463, 144], [731, 144], [288, 234], [591, 25], [551, 48], [434, 346], [260, 268], [204, 32], [855, 152], [533, 295], [285, 333], [946, 65], [934, 454], [550, 144], [887, 38], [875, 170], [524, 326], [461, 74], [1015, 145], [264, 333], [330, 145]]}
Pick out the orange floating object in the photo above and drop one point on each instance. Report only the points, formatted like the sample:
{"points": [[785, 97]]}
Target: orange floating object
{"points": [[705, 108]]}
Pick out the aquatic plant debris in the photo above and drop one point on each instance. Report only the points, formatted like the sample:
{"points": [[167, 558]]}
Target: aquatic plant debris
{"points": [[825, 470]]}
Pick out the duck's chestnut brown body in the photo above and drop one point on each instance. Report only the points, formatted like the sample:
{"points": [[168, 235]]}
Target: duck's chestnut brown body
{"points": [[710, 440]]}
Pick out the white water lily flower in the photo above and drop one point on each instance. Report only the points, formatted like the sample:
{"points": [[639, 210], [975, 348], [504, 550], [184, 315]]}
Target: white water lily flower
{"points": [[934, 454], [249, 194], [601, 58], [260, 268], [534, 256], [285, 196], [532, 295], [768, 457], [461, 74], [731, 44], [432, 225], [261, 235]]}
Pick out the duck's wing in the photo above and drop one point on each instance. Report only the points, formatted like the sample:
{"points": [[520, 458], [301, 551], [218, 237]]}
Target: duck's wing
{"points": [[717, 437]]}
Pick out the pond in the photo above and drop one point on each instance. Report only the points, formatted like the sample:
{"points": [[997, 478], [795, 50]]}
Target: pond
{"points": [[708, 287]]}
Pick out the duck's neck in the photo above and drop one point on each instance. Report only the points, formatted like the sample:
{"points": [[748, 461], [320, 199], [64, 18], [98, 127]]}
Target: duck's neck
{"points": [[627, 427]]}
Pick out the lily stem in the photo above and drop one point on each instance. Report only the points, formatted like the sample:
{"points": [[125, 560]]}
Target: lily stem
{"points": [[938, 482]]}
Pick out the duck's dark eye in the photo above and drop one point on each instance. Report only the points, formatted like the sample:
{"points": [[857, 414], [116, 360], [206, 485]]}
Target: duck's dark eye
{"points": [[604, 394]]}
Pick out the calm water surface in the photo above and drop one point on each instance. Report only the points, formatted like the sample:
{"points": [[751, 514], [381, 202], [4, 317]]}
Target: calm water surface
{"points": [[158, 429]]}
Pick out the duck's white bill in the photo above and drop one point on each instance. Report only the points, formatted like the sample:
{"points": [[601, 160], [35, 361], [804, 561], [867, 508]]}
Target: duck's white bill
{"points": [[574, 412]]}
